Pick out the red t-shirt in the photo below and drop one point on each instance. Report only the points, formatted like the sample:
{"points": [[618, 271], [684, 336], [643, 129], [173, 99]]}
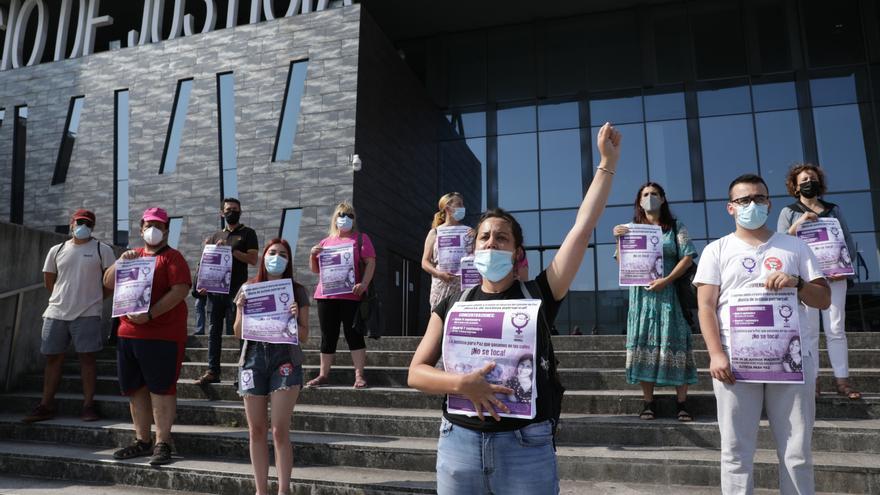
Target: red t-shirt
{"points": [[171, 269]]}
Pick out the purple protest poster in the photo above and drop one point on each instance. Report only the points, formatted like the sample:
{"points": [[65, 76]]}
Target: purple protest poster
{"points": [[266, 315], [337, 269], [825, 238], [452, 245], [468, 273], [133, 289], [215, 269], [640, 255]]}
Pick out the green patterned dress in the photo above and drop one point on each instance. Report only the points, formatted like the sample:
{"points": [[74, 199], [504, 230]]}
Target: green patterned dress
{"points": [[658, 339]]}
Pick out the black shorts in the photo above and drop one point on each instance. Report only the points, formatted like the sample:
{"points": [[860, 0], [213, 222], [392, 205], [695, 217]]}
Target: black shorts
{"points": [[154, 364]]}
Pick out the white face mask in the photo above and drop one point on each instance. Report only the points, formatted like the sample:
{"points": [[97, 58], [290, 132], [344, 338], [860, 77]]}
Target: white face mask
{"points": [[153, 236], [458, 213], [344, 223]]}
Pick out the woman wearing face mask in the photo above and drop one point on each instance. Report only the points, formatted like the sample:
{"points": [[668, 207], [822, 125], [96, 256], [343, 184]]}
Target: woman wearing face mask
{"points": [[450, 214], [807, 184], [272, 370], [509, 444], [339, 309], [659, 350]]}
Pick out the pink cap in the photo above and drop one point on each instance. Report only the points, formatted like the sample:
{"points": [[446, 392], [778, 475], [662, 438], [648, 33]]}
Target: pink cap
{"points": [[157, 214]]}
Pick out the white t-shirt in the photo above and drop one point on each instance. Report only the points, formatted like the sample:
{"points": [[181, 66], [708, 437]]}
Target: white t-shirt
{"points": [[731, 263], [78, 286]]}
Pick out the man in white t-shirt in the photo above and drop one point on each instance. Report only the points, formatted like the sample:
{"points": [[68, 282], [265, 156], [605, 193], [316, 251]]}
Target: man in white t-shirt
{"points": [[73, 273], [755, 253]]}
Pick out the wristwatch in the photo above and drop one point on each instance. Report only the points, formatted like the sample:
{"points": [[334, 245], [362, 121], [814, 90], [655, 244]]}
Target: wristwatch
{"points": [[800, 283]]}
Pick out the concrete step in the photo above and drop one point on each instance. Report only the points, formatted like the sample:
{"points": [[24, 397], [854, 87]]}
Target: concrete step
{"points": [[576, 401], [855, 340], [12, 485], [857, 436], [846, 473]]}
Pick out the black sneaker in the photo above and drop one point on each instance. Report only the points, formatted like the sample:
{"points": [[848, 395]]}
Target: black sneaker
{"points": [[161, 454], [137, 449]]}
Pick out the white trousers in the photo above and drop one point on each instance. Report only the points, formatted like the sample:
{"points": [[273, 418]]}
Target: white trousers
{"points": [[834, 322], [791, 410]]}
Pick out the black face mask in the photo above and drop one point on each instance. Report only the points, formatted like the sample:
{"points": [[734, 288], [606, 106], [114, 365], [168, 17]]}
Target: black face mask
{"points": [[232, 217], [810, 189]]}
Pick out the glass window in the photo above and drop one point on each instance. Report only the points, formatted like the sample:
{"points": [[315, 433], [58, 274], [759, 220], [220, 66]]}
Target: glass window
{"points": [[296, 83], [774, 96], [834, 90], [468, 123], [552, 116], [779, 146], [868, 259], [669, 162], [226, 118], [841, 146], [833, 33], [555, 225], [664, 106], [724, 100], [120, 166], [531, 228], [719, 46], [719, 222], [606, 267], [692, 215], [2, 115], [478, 148], [534, 258], [175, 126], [560, 159], [174, 227], [467, 68], [616, 110], [518, 172], [516, 119], [633, 163], [857, 209], [728, 151], [68, 138], [614, 215], [19, 155], [289, 231], [672, 46], [512, 63]]}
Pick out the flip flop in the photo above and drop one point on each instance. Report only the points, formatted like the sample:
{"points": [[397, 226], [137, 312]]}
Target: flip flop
{"points": [[359, 382]]}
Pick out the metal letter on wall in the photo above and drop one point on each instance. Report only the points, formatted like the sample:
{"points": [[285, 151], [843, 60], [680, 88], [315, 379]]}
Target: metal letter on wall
{"points": [[63, 25], [20, 28], [92, 24], [143, 36], [14, 7], [210, 19]]}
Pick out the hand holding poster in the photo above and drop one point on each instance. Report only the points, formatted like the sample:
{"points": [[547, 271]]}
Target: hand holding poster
{"points": [[337, 269], [452, 245], [468, 273], [505, 331], [133, 289], [215, 269], [825, 238], [640, 255], [765, 341], [266, 315]]}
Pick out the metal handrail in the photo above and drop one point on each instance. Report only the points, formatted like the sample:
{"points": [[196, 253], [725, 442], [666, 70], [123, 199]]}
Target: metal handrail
{"points": [[16, 325], [22, 290]]}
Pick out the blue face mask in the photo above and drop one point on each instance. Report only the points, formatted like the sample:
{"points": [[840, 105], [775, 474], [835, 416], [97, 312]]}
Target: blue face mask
{"points": [[493, 264], [275, 264], [344, 223], [753, 216], [82, 232], [458, 214]]}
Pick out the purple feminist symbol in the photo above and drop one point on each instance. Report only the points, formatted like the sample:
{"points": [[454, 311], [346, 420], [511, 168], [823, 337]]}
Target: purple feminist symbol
{"points": [[146, 270], [835, 231], [346, 255], [654, 240], [785, 312], [284, 297], [225, 257], [749, 264], [519, 320]]}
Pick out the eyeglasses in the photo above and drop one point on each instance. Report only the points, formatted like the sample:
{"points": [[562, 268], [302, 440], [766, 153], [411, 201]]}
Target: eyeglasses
{"points": [[343, 214], [83, 221], [746, 200]]}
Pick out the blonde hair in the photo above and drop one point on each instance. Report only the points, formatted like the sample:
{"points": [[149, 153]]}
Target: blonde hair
{"points": [[440, 216], [343, 207]]}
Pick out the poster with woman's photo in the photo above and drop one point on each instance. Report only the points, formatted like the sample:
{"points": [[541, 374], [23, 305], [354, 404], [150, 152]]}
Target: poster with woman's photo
{"points": [[825, 238], [504, 332], [133, 289], [337, 269], [765, 340], [452, 245], [266, 315], [215, 269], [468, 273], [640, 253]]}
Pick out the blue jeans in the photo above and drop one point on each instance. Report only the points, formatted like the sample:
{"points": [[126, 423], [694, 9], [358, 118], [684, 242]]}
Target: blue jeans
{"points": [[201, 302], [510, 462]]}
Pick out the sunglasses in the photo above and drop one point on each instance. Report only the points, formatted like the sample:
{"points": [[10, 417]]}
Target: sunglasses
{"points": [[746, 200], [343, 214]]}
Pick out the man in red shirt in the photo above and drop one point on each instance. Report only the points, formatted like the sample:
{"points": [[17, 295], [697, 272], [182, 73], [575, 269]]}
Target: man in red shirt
{"points": [[150, 346]]}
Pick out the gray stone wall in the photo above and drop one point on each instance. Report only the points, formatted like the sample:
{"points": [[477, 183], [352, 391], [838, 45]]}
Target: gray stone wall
{"points": [[317, 175]]}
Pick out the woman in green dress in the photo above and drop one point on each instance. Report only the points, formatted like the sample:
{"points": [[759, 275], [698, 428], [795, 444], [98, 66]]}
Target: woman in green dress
{"points": [[659, 350]]}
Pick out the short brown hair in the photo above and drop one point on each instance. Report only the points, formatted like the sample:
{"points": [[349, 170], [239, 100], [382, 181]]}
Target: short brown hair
{"points": [[791, 182]]}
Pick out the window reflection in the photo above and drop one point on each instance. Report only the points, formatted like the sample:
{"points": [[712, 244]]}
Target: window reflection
{"points": [[613, 215], [175, 126], [478, 148], [606, 267], [835, 90], [774, 96], [728, 145], [68, 138], [560, 163], [669, 162], [468, 124], [120, 166], [2, 115], [615, 110], [841, 146], [516, 119], [289, 231], [518, 172], [779, 146], [857, 208], [553, 116], [174, 228], [226, 118], [296, 82], [692, 215], [724, 100], [534, 258], [868, 260], [555, 226], [632, 163], [664, 106], [531, 228], [720, 223]]}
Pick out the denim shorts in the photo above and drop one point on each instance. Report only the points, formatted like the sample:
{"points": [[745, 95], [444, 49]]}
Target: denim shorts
{"points": [[510, 462], [267, 368], [85, 332]]}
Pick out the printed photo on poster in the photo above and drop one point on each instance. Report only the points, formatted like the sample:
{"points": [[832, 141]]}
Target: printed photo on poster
{"points": [[133, 288]]}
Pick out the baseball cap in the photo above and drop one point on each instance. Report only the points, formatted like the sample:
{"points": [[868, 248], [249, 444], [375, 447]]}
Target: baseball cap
{"points": [[157, 214], [84, 215]]}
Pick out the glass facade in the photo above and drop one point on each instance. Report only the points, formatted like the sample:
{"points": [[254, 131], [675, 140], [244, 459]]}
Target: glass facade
{"points": [[19, 154], [296, 83], [702, 91], [291, 219], [68, 138], [226, 135], [175, 126], [121, 117]]}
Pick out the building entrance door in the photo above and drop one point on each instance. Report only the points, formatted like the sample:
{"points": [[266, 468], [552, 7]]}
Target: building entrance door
{"points": [[401, 313]]}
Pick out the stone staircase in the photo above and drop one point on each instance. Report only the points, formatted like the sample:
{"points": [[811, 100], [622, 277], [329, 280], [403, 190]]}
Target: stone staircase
{"points": [[383, 439]]}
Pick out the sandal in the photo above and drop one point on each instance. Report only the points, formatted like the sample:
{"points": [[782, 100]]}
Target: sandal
{"points": [[317, 381], [683, 415], [845, 390], [359, 381], [647, 413]]}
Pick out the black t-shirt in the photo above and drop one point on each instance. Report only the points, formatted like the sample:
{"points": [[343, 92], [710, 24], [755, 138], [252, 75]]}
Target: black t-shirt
{"points": [[241, 239], [549, 309]]}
